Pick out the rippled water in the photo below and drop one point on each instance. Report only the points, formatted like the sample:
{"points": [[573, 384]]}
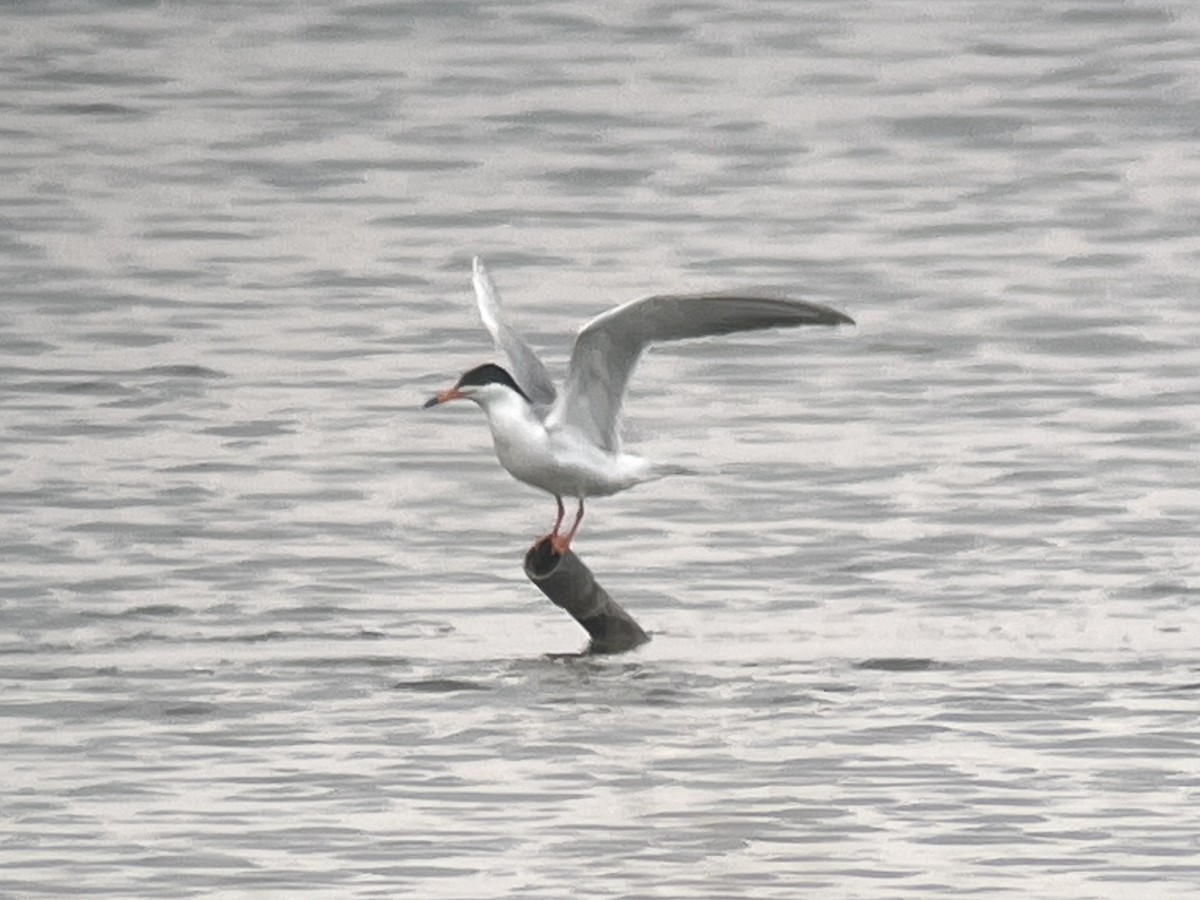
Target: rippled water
{"points": [[927, 623]]}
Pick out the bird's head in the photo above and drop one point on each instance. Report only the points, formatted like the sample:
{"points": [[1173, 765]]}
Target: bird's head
{"points": [[483, 384]]}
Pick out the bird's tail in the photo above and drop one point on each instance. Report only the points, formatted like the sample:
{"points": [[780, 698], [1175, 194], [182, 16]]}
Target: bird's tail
{"points": [[665, 470]]}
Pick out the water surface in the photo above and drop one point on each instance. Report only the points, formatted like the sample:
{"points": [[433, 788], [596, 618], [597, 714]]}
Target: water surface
{"points": [[926, 624]]}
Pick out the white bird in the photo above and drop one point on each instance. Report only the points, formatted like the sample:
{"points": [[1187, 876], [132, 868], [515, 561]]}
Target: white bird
{"points": [[568, 443]]}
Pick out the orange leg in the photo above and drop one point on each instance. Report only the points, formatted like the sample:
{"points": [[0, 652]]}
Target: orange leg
{"points": [[561, 544], [553, 535]]}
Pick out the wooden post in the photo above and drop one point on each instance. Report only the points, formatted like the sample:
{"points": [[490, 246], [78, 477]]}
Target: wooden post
{"points": [[569, 584]]}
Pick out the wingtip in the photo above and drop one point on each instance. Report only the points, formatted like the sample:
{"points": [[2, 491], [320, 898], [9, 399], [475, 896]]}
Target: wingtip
{"points": [[831, 316], [477, 265]]}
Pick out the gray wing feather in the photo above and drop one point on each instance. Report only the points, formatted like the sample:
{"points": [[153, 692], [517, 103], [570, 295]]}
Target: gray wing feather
{"points": [[527, 367], [609, 346]]}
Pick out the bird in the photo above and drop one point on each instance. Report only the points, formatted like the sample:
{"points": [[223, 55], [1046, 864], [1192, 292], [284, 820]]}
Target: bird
{"points": [[567, 442]]}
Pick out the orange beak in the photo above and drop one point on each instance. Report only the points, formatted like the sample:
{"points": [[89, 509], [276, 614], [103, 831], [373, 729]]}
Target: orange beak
{"points": [[445, 396]]}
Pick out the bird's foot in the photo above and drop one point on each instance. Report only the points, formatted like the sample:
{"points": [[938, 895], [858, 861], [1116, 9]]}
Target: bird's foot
{"points": [[560, 543]]}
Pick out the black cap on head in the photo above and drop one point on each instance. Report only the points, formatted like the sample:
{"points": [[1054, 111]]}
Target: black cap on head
{"points": [[490, 373]]}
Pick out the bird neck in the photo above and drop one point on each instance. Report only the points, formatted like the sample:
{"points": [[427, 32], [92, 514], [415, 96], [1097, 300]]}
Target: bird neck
{"points": [[510, 416]]}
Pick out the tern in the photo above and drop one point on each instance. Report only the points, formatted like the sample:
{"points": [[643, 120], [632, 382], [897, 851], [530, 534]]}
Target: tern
{"points": [[568, 442]]}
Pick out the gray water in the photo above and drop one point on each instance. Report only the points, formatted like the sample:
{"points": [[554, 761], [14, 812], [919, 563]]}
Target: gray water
{"points": [[925, 625]]}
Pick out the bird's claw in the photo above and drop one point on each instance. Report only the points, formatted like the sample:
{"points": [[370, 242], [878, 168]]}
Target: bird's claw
{"points": [[560, 544]]}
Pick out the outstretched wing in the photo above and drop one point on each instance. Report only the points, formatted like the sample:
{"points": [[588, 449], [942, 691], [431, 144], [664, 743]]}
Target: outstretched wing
{"points": [[528, 369], [609, 346]]}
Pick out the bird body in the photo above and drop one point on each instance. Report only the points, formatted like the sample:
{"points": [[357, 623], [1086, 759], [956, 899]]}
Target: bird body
{"points": [[555, 457], [567, 442]]}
